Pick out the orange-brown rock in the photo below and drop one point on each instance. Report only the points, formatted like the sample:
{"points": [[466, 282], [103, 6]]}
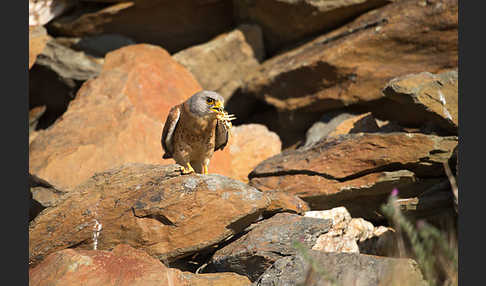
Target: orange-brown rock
{"points": [[249, 144], [173, 25], [37, 41], [115, 118], [150, 207], [285, 22], [350, 65], [333, 124], [357, 171], [423, 98], [359, 123], [123, 265], [282, 201], [222, 63]]}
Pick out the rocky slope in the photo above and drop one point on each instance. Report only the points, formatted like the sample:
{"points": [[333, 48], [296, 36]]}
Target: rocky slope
{"points": [[343, 107]]}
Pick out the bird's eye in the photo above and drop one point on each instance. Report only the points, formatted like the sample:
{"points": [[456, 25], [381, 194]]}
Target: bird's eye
{"points": [[209, 100]]}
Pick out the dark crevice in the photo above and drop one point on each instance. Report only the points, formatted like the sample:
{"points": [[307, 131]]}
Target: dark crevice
{"points": [[83, 242], [385, 168], [198, 260], [159, 217]]}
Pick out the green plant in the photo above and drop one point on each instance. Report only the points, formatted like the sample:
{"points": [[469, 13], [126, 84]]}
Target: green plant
{"points": [[430, 247]]}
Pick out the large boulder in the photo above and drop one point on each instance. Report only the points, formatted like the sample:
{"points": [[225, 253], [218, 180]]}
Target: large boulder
{"points": [[266, 242], [222, 63], [286, 22], [123, 265], [358, 171], [150, 207], [248, 145], [314, 268], [350, 65], [115, 118], [174, 25]]}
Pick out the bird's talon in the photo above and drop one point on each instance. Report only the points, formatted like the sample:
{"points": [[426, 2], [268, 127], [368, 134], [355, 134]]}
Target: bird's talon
{"points": [[186, 171]]}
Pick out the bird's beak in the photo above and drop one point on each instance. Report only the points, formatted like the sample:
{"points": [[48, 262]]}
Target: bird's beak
{"points": [[217, 107]]}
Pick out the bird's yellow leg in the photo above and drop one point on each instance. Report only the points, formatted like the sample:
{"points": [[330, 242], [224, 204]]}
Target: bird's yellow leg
{"points": [[205, 169], [188, 169]]}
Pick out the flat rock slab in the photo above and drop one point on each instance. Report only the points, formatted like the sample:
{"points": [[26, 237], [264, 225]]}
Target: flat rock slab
{"points": [[266, 242], [421, 98], [122, 266], [285, 22], [173, 25], [150, 207], [341, 269], [338, 171], [351, 64], [68, 63]]}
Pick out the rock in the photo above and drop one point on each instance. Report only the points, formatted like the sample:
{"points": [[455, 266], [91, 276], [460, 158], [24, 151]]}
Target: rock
{"points": [[115, 118], [100, 45], [281, 201], [222, 63], [341, 269], [56, 77], [349, 234], [48, 89], [249, 144], [123, 265], [384, 242], [343, 123], [287, 22], [357, 171], [359, 123], [438, 200], [424, 97], [37, 41], [349, 65], [67, 63], [34, 115], [173, 25], [266, 242], [42, 195], [43, 11], [149, 207]]}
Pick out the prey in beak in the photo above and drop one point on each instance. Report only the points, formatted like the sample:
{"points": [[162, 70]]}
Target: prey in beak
{"points": [[221, 114]]}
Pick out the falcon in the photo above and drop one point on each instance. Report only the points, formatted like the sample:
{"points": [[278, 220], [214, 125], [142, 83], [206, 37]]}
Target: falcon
{"points": [[195, 129]]}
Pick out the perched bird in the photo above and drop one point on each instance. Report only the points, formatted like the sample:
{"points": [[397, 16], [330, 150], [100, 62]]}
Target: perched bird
{"points": [[195, 129]]}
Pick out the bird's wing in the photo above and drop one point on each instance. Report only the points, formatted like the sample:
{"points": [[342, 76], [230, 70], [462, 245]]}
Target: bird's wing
{"points": [[221, 136], [169, 129]]}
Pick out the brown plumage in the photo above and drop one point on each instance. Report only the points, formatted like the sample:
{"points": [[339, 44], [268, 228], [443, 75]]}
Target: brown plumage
{"points": [[194, 130]]}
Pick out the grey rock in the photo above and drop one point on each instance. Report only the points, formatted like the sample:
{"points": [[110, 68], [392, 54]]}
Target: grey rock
{"points": [[312, 268], [266, 242], [67, 63]]}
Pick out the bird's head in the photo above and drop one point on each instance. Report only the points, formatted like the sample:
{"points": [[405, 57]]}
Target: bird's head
{"points": [[206, 103]]}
